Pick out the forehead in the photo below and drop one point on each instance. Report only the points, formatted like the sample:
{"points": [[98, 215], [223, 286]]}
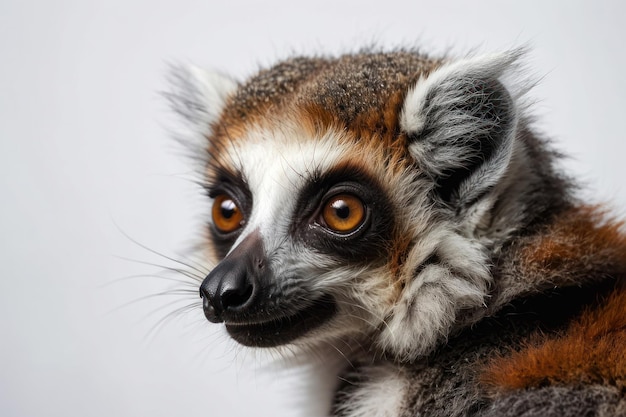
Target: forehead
{"points": [[294, 144], [272, 157], [287, 157], [358, 91], [309, 113]]}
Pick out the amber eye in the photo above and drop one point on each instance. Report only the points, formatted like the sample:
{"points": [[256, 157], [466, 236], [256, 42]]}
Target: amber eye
{"points": [[343, 213], [227, 217]]}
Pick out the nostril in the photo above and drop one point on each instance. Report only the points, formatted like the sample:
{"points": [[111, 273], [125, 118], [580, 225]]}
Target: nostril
{"points": [[210, 304], [233, 298]]}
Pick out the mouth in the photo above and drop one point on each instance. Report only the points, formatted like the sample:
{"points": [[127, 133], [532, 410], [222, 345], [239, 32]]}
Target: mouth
{"points": [[283, 329]]}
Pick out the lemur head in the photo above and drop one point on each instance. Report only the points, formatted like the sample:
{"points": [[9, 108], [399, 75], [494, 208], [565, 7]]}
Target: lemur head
{"points": [[356, 200]]}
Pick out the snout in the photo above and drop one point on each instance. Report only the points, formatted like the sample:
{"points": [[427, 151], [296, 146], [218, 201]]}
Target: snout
{"points": [[231, 290], [243, 292]]}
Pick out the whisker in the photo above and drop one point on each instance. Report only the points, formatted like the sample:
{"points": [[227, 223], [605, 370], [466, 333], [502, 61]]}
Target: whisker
{"points": [[170, 258], [152, 332], [181, 291], [382, 320], [342, 354], [188, 274], [152, 276]]}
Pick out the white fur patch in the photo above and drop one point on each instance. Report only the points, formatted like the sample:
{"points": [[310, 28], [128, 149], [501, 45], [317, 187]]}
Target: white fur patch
{"points": [[199, 95], [383, 394], [215, 87], [427, 309]]}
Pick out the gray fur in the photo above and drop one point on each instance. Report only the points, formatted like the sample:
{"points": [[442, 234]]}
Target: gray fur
{"points": [[349, 86], [594, 401], [462, 124], [198, 96], [446, 384]]}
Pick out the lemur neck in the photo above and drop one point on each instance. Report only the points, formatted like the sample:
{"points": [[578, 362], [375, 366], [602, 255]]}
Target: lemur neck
{"points": [[532, 192], [541, 238], [581, 247]]}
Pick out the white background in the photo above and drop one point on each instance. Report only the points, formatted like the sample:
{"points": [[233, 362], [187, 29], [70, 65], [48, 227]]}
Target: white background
{"points": [[86, 157]]}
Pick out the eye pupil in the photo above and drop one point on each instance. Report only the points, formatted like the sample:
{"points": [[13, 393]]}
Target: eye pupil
{"points": [[228, 209], [342, 210]]}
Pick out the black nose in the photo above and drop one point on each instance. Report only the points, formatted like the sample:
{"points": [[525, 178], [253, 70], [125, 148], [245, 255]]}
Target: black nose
{"points": [[228, 288], [231, 288]]}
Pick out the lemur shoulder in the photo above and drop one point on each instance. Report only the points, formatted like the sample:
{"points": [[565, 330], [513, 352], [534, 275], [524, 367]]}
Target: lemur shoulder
{"points": [[400, 209]]}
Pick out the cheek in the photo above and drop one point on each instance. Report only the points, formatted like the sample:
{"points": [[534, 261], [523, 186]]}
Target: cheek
{"points": [[363, 299]]}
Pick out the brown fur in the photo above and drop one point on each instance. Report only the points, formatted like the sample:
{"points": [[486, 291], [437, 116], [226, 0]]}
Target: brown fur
{"points": [[589, 352], [578, 248], [365, 91]]}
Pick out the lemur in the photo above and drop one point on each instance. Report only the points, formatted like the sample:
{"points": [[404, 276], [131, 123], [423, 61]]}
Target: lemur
{"points": [[400, 209]]}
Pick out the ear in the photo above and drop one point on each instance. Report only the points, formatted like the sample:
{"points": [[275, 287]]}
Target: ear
{"points": [[199, 95], [461, 122]]}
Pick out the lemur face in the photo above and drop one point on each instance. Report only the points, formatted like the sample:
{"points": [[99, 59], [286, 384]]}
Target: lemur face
{"points": [[303, 227], [351, 197]]}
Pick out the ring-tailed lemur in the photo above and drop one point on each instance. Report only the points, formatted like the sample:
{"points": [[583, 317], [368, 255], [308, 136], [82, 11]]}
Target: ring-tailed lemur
{"points": [[400, 209]]}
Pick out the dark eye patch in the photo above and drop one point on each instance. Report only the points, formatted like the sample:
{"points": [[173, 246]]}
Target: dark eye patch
{"points": [[224, 182], [369, 240]]}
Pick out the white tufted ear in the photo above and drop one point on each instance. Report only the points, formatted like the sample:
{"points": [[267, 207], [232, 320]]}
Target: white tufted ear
{"points": [[199, 95], [461, 121]]}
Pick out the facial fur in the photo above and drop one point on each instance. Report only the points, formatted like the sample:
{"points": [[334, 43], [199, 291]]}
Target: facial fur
{"points": [[429, 148]]}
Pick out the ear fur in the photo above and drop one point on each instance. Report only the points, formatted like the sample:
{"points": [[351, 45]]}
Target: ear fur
{"points": [[461, 121], [199, 95]]}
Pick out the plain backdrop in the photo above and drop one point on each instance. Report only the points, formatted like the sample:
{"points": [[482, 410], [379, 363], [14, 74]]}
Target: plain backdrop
{"points": [[91, 181]]}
